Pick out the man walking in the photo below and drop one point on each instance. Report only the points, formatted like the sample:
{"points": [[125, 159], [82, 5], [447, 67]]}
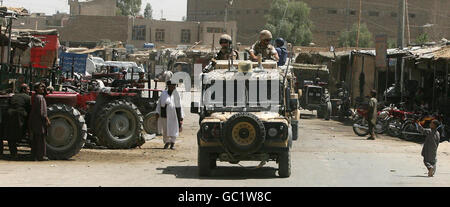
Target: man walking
{"points": [[372, 114], [170, 115]]}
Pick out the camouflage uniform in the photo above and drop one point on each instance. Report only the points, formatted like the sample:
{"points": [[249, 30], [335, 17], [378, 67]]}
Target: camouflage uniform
{"points": [[224, 54], [267, 51]]}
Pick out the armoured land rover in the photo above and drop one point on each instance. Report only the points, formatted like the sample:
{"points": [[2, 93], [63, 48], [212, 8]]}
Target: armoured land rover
{"points": [[247, 113]]}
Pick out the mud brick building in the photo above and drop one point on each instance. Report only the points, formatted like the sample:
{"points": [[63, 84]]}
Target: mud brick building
{"points": [[331, 17]]}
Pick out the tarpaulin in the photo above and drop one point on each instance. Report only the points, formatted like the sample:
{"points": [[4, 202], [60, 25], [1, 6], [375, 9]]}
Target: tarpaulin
{"points": [[44, 57], [77, 60]]}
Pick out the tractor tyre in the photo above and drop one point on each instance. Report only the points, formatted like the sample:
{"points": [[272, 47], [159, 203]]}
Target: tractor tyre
{"points": [[120, 125], [151, 123], [67, 133], [244, 134]]}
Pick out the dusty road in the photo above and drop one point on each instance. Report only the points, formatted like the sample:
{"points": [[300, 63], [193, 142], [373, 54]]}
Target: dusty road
{"points": [[328, 153]]}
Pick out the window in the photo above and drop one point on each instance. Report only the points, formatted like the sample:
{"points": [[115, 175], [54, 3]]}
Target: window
{"points": [[266, 11], [352, 12], [412, 15], [185, 36], [332, 11], [138, 33], [393, 14], [248, 11], [256, 11], [331, 33], [159, 35], [215, 30], [374, 13]]}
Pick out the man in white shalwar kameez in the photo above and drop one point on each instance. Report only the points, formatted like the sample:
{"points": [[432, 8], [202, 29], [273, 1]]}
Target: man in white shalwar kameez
{"points": [[170, 115]]}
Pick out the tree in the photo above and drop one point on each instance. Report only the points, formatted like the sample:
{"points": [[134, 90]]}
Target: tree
{"points": [[348, 38], [295, 27], [422, 39], [128, 7], [148, 11]]}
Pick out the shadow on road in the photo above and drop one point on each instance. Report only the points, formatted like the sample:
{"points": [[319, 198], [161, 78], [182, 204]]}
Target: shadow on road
{"points": [[221, 173]]}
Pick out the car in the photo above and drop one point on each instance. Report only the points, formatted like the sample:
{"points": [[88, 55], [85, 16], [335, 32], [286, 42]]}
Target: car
{"points": [[252, 123]]}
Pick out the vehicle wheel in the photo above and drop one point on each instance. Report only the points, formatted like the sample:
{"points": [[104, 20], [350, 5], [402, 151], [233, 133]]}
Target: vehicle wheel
{"points": [[284, 164], [120, 125], [151, 123], [359, 131], [244, 133], [410, 127], [394, 127], [328, 111], [381, 126], [320, 113], [67, 133], [204, 163]]}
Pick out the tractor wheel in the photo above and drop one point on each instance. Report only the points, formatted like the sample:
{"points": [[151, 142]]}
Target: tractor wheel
{"points": [[67, 133], [119, 125], [244, 133], [284, 164], [151, 123]]}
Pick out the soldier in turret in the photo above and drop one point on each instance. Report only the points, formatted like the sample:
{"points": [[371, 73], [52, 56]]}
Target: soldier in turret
{"points": [[264, 48]]}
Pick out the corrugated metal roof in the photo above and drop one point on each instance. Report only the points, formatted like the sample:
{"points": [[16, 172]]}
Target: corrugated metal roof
{"points": [[443, 53]]}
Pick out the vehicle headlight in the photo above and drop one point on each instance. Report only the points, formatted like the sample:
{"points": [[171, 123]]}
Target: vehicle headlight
{"points": [[272, 132]]}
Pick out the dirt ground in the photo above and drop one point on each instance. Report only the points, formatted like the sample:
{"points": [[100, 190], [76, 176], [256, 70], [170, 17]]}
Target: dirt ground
{"points": [[327, 153]]}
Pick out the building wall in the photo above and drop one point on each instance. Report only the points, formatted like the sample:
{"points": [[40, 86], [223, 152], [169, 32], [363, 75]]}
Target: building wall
{"points": [[331, 17], [173, 32], [94, 29], [93, 7]]}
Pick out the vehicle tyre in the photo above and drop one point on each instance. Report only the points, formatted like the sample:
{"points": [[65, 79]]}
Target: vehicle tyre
{"points": [[204, 163], [358, 131], [381, 126], [328, 111], [244, 134], [320, 113], [284, 164], [120, 125], [394, 127], [409, 127], [151, 123], [67, 133]]}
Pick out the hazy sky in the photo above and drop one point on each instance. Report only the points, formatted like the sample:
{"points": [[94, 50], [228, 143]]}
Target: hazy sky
{"points": [[173, 9]]}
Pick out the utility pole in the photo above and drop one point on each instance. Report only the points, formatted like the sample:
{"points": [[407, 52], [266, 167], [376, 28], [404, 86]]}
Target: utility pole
{"points": [[359, 24], [401, 41]]}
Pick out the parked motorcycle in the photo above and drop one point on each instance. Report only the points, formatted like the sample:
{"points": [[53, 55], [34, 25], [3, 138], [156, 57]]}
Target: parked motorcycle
{"points": [[344, 104], [396, 120], [410, 130], [361, 125]]}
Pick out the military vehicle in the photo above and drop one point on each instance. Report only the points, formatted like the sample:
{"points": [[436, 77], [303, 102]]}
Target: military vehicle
{"points": [[246, 114], [311, 86]]}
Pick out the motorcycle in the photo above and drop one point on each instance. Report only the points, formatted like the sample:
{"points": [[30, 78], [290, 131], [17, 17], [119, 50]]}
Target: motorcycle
{"points": [[344, 103], [396, 120], [361, 125], [410, 129]]}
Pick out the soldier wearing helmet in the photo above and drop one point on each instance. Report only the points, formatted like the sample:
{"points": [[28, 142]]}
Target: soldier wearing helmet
{"points": [[264, 47], [225, 42]]}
